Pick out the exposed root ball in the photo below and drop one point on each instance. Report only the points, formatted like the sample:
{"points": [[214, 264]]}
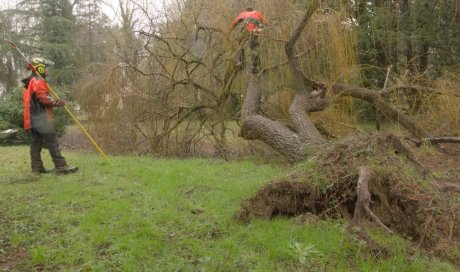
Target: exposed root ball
{"points": [[281, 198], [403, 195]]}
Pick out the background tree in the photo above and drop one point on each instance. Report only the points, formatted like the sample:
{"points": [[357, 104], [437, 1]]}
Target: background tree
{"points": [[18, 25], [91, 37], [57, 27]]}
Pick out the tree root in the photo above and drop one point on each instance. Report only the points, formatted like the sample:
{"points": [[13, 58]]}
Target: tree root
{"points": [[366, 175], [388, 198], [357, 231]]}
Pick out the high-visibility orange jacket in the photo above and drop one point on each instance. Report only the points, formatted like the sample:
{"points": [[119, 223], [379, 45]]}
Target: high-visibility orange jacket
{"points": [[38, 105], [253, 19]]}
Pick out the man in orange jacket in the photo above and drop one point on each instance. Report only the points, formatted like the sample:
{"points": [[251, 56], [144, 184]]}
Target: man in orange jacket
{"points": [[251, 22], [38, 113]]}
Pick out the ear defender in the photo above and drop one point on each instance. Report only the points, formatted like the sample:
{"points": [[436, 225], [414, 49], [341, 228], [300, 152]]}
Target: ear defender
{"points": [[40, 69], [40, 65]]}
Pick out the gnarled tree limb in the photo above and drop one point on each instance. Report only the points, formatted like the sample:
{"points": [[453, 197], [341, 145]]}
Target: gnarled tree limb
{"points": [[258, 127], [298, 111]]}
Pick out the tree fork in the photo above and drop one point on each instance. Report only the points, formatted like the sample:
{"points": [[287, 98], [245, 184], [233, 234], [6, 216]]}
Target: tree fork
{"points": [[258, 127]]}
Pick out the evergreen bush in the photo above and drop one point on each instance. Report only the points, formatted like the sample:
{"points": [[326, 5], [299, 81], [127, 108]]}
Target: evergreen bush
{"points": [[11, 116]]}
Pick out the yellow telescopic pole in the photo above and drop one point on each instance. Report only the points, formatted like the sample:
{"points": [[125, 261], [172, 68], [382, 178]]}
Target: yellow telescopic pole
{"points": [[80, 126], [67, 110]]}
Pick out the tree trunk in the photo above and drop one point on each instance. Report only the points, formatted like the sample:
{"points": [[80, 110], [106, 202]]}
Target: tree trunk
{"points": [[458, 15], [407, 33], [298, 112], [299, 108], [258, 127]]}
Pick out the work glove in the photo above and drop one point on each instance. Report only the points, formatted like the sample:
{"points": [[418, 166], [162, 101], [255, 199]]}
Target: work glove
{"points": [[58, 103]]}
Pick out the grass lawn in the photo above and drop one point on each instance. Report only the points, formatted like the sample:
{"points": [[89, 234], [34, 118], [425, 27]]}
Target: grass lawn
{"points": [[148, 214]]}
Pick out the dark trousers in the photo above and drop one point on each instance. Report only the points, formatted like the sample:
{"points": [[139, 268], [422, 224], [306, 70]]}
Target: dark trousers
{"points": [[45, 136], [250, 42]]}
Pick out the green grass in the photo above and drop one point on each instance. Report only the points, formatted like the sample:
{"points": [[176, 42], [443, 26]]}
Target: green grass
{"points": [[147, 214]]}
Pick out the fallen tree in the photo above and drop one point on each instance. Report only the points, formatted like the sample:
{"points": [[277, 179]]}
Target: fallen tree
{"points": [[394, 208]]}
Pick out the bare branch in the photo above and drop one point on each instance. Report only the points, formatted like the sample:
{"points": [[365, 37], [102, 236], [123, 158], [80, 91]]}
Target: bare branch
{"points": [[403, 87], [374, 98], [439, 140], [387, 77], [289, 47]]}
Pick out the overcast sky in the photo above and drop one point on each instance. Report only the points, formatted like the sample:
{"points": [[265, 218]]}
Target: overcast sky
{"points": [[107, 9], [110, 7]]}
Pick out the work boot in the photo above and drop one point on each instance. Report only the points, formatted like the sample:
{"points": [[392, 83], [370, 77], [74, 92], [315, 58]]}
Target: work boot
{"points": [[62, 170], [41, 170]]}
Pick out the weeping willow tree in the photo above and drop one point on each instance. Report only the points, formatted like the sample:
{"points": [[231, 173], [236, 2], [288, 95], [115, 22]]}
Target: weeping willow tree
{"points": [[178, 86], [182, 85]]}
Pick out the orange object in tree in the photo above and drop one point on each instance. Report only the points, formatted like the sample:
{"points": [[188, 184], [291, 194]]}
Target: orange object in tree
{"points": [[253, 19]]}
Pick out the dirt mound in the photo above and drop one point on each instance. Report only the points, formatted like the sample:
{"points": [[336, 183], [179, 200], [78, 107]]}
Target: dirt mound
{"points": [[279, 199], [405, 196]]}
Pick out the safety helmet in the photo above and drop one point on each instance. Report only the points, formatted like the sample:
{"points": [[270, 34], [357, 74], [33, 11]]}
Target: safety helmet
{"points": [[40, 64]]}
